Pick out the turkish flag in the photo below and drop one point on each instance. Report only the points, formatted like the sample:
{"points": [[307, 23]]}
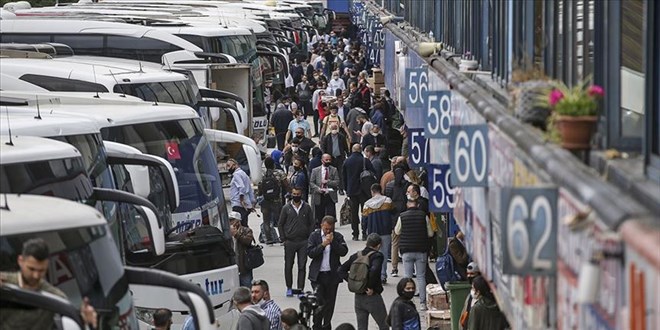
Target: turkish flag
{"points": [[172, 150]]}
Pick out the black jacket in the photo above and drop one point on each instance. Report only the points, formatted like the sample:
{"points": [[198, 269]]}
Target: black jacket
{"points": [[375, 141], [295, 227], [326, 144], [375, 267], [351, 172], [401, 310], [413, 236], [338, 249], [280, 120]]}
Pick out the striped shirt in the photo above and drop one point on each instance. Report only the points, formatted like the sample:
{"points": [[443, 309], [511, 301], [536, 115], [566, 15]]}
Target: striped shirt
{"points": [[273, 313]]}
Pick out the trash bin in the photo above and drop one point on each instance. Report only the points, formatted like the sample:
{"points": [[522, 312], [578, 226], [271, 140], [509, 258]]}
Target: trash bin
{"points": [[458, 292]]}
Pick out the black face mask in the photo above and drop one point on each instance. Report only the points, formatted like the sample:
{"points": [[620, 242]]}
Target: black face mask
{"points": [[297, 199], [408, 295], [326, 164], [231, 170]]}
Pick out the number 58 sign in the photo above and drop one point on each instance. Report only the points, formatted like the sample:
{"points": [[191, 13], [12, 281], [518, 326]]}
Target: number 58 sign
{"points": [[529, 231]]}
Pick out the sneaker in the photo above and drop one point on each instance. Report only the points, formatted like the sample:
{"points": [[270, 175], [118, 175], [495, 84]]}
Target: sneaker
{"points": [[395, 273], [422, 307], [355, 238], [364, 237], [384, 281], [289, 292]]}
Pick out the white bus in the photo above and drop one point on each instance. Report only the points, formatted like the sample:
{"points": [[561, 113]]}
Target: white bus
{"points": [[85, 263]]}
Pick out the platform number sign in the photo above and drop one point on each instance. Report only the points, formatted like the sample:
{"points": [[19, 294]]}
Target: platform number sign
{"points": [[418, 148], [438, 114], [468, 155], [529, 231], [441, 192], [416, 87]]}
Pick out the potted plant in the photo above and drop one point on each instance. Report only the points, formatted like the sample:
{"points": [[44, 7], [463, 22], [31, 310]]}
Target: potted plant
{"points": [[575, 112]]}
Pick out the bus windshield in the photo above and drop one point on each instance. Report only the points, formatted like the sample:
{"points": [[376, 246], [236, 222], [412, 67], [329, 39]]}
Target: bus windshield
{"points": [[84, 262], [65, 178], [176, 92], [183, 144]]}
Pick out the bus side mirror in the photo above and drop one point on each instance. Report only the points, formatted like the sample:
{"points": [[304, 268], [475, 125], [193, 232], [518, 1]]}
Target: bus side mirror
{"points": [[157, 235]]}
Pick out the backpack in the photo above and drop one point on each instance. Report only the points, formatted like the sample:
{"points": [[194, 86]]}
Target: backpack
{"points": [[358, 274], [270, 187], [444, 267], [367, 179]]}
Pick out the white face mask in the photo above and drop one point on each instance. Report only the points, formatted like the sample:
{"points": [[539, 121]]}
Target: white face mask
{"points": [[474, 295], [294, 149], [334, 131], [410, 198], [374, 133]]}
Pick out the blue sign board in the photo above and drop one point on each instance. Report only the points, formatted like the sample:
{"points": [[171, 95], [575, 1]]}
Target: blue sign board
{"points": [[418, 148], [416, 88], [438, 114], [529, 231], [468, 155], [441, 192]]}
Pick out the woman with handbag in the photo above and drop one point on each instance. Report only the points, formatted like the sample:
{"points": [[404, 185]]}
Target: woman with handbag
{"points": [[242, 237], [403, 313]]}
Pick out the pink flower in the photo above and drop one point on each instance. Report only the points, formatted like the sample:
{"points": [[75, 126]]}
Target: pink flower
{"points": [[595, 90], [555, 96]]}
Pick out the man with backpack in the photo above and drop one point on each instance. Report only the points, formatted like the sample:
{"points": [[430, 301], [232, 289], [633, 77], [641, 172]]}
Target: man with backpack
{"points": [[357, 182], [270, 188], [362, 271]]}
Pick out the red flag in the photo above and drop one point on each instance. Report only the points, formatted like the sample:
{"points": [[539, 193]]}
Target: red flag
{"points": [[172, 150]]}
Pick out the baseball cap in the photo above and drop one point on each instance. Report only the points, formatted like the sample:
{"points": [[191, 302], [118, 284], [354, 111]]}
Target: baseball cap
{"points": [[472, 267], [234, 215]]}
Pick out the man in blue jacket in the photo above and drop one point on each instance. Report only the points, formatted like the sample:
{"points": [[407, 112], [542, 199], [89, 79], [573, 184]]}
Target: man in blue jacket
{"points": [[352, 168], [325, 247]]}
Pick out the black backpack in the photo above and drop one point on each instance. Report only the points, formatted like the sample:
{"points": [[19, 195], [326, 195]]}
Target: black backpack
{"points": [[269, 187], [367, 179]]}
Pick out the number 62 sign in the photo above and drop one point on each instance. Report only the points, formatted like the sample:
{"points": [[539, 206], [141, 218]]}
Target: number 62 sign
{"points": [[529, 230]]}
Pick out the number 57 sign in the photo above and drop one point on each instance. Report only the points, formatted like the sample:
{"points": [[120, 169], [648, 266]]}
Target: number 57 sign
{"points": [[529, 231]]}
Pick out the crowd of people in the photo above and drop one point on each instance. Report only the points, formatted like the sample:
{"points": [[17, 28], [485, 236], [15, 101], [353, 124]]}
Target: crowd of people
{"points": [[335, 135]]}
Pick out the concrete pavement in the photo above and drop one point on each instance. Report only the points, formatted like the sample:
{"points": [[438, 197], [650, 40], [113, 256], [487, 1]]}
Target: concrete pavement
{"points": [[273, 272]]}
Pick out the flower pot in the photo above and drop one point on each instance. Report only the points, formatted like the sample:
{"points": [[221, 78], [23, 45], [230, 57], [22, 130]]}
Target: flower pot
{"points": [[576, 131]]}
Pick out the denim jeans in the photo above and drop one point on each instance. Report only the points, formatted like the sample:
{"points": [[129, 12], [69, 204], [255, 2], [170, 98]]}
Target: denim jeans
{"points": [[385, 247], [416, 260], [245, 279]]}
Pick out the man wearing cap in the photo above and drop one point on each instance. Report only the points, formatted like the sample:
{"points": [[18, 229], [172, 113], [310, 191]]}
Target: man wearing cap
{"points": [[472, 272]]}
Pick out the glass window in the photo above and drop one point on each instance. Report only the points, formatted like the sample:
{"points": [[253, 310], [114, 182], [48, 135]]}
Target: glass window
{"points": [[82, 44], [177, 92], [147, 49], [56, 84], [22, 38], [632, 68]]}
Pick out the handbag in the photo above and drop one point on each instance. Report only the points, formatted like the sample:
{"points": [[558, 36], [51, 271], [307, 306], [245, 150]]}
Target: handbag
{"points": [[345, 213], [254, 256]]}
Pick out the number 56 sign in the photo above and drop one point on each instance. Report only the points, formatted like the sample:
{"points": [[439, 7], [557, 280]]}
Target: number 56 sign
{"points": [[529, 230]]}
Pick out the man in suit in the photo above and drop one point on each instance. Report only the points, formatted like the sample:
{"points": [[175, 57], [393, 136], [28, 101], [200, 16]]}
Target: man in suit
{"points": [[323, 186], [325, 247], [336, 145], [353, 167]]}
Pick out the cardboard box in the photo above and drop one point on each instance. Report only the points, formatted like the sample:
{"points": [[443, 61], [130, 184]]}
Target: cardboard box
{"points": [[378, 76], [438, 320], [436, 298]]}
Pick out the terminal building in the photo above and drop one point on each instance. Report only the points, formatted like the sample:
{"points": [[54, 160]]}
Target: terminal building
{"points": [[567, 232]]}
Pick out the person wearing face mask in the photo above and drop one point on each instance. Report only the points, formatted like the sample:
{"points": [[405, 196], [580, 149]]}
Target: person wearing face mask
{"points": [[323, 186], [414, 229], [403, 312], [304, 93], [376, 140], [241, 193], [472, 273], [336, 83], [295, 225], [485, 314], [413, 193], [336, 145], [329, 120], [261, 296]]}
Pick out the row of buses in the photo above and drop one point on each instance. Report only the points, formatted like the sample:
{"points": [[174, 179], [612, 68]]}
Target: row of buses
{"points": [[121, 116]]}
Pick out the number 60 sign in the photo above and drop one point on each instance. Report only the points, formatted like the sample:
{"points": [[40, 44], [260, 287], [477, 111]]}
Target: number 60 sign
{"points": [[529, 230]]}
